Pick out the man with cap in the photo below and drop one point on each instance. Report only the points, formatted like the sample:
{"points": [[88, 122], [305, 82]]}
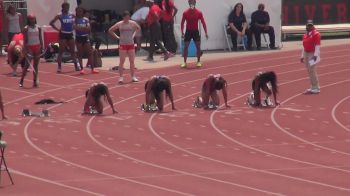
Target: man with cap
{"points": [[311, 55], [192, 16], [261, 24]]}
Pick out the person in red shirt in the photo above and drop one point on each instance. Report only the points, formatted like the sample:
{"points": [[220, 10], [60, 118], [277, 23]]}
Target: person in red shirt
{"points": [[311, 56], [154, 15], [16, 53], [192, 16], [170, 12]]}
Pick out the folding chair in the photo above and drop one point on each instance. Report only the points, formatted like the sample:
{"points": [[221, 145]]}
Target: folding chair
{"points": [[266, 41], [3, 145], [240, 40]]}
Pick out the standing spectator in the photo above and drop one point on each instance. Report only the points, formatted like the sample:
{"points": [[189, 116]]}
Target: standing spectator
{"points": [[140, 4], [127, 29], [14, 21], [154, 15], [65, 35], [140, 17], [1, 24], [261, 24], [82, 32], [33, 45], [311, 56], [170, 11], [237, 24], [192, 16], [94, 25], [2, 108]]}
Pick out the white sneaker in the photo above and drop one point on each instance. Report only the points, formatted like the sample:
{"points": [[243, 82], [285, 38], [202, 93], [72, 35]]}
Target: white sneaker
{"points": [[134, 79], [312, 91], [121, 80], [315, 91]]}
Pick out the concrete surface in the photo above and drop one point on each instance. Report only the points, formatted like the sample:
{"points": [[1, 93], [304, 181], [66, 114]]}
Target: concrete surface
{"points": [[109, 62]]}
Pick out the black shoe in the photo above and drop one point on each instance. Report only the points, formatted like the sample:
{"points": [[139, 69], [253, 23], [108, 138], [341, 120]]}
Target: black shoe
{"points": [[150, 59], [258, 48], [273, 47], [21, 83]]}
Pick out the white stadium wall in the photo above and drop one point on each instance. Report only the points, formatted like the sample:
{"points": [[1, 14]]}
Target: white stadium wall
{"points": [[46, 10], [216, 13]]}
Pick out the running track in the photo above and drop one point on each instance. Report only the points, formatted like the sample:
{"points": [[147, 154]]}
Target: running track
{"points": [[299, 148]]}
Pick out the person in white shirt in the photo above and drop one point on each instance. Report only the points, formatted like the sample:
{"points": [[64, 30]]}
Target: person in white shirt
{"points": [[140, 17], [14, 21], [128, 30]]}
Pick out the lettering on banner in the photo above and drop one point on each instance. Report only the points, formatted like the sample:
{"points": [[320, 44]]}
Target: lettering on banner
{"points": [[297, 12]]}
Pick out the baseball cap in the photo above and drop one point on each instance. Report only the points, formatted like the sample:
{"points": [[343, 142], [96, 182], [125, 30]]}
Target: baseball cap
{"points": [[309, 22]]}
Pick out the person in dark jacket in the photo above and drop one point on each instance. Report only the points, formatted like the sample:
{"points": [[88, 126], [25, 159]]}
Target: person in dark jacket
{"points": [[261, 24]]}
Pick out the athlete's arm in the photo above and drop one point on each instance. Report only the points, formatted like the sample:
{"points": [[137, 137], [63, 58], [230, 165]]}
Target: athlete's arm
{"points": [[25, 34], [109, 99], [224, 93], [183, 24], [138, 28], [2, 107], [113, 29], [175, 11], [41, 40], [21, 21], [171, 97], [204, 26], [53, 21], [148, 90]]}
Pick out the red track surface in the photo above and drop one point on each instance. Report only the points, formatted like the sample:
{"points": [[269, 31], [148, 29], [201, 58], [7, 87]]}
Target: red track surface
{"points": [[299, 148]]}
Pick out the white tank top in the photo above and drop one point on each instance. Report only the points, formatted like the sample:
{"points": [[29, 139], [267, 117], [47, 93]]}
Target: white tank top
{"points": [[126, 32], [13, 25], [33, 36]]}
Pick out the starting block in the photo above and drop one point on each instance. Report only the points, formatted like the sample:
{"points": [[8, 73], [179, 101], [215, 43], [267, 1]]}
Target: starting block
{"points": [[265, 103], [27, 112], [149, 108], [198, 103]]}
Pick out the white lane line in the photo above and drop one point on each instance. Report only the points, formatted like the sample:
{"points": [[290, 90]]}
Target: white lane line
{"points": [[334, 116], [26, 134], [54, 182], [273, 119], [114, 77]]}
